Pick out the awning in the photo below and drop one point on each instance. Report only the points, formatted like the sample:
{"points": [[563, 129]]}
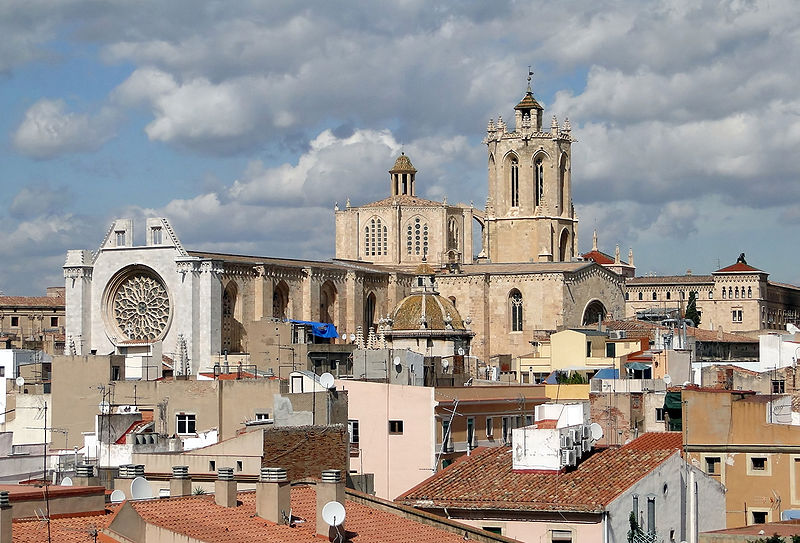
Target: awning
{"points": [[637, 366], [607, 373], [319, 329]]}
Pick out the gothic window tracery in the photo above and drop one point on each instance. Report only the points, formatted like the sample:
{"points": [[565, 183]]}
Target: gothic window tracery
{"points": [[515, 310], [514, 182], [139, 306], [375, 238], [538, 170]]}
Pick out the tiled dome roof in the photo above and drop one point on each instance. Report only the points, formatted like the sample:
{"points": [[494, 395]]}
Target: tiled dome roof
{"points": [[439, 313], [403, 165]]}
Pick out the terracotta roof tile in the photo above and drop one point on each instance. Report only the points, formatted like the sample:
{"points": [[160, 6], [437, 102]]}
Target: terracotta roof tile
{"points": [[73, 529], [669, 279], [405, 200], [738, 267], [599, 257], [485, 480], [657, 441], [200, 518], [56, 302]]}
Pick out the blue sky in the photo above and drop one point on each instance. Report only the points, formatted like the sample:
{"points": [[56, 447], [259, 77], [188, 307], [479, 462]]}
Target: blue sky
{"points": [[244, 123]]}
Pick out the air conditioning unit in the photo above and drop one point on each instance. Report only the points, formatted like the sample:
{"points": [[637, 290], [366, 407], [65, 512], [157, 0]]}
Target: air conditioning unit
{"points": [[566, 441], [617, 334], [568, 457], [586, 433], [575, 433], [578, 450]]}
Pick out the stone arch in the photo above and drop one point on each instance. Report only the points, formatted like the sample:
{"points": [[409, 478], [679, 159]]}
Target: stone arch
{"points": [[564, 243], [232, 329], [327, 302], [515, 311], [563, 183], [280, 300], [595, 311], [370, 303]]}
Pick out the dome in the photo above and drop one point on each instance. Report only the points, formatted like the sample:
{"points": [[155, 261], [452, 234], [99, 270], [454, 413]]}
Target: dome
{"points": [[437, 312], [403, 165]]}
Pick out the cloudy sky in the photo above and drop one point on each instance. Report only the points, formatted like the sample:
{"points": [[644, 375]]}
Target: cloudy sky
{"points": [[244, 122]]}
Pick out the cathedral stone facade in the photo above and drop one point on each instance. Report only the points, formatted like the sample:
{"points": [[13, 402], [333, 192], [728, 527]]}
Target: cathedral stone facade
{"points": [[524, 281]]}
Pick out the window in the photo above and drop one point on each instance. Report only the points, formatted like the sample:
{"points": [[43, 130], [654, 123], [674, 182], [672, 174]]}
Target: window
{"points": [[447, 439], [262, 415], [723, 293], [212, 465], [506, 429], [514, 182], [239, 465], [528, 420], [515, 303], [375, 238], [186, 423], [395, 426], [156, 232], [651, 515], [53, 322], [627, 296], [641, 296], [778, 386], [352, 429], [14, 321], [655, 296], [2, 371], [120, 237], [471, 442], [710, 294], [611, 350], [539, 181], [115, 373], [588, 349], [493, 529], [759, 517], [659, 414], [669, 295], [561, 536], [489, 427], [749, 292], [713, 464], [736, 315], [758, 463], [417, 237]]}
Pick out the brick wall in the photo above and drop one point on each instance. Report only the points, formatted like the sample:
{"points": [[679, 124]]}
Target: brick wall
{"points": [[307, 450]]}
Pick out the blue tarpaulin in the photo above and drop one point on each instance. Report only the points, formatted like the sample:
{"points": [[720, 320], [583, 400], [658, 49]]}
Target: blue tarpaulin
{"points": [[320, 329], [552, 379]]}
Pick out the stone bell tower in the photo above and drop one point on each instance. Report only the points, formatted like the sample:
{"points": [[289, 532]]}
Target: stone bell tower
{"points": [[529, 212]]}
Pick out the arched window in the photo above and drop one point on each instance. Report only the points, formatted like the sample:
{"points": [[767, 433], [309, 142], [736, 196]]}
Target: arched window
{"points": [[641, 296], [655, 296], [669, 295], [562, 183], [515, 310], [452, 234], [736, 292], [369, 311], [231, 328], [749, 292], [730, 292], [538, 186], [375, 238], [514, 182], [327, 302], [417, 237], [723, 293], [280, 300]]}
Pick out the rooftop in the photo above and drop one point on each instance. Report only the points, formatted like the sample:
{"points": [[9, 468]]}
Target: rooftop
{"points": [[200, 518], [486, 480]]}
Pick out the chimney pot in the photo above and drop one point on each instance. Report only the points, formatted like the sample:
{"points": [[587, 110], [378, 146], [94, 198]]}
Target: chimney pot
{"points": [[273, 496], [180, 484], [6, 515], [225, 488], [330, 489]]}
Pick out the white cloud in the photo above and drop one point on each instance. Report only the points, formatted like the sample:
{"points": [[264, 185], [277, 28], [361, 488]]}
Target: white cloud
{"points": [[48, 130]]}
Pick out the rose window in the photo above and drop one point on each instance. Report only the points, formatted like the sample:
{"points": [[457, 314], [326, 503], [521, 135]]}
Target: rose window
{"points": [[140, 307]]}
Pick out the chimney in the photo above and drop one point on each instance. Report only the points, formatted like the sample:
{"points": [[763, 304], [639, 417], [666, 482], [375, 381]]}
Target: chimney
{"points": [[180, 484], [5, 518], [84, 476], [330, 489], [225, 488], [273, 498]]}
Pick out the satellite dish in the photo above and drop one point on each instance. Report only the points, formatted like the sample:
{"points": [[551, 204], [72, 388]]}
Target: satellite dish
{"points": [[141, 489], [667, 379], [117, 496], [397, 365], [445, 364], [19, 381], [461, 351], [326, 381], [333, 513], [596, 430], [66, 481], [792, 329], [104, 407], [352, 337]]}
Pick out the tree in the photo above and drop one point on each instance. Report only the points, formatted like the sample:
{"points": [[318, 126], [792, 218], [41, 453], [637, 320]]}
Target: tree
{"points": [[636, 530], [691, 309]]}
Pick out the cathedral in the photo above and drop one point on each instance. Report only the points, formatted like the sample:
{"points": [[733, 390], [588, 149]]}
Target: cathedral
{"points": [[526, 280]]}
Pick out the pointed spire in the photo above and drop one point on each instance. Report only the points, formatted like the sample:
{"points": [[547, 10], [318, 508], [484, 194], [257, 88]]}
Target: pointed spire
{"points": [[616, 255], [490, 127], [630, 256], [567, 127], [594, 240], [554, 125]]}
